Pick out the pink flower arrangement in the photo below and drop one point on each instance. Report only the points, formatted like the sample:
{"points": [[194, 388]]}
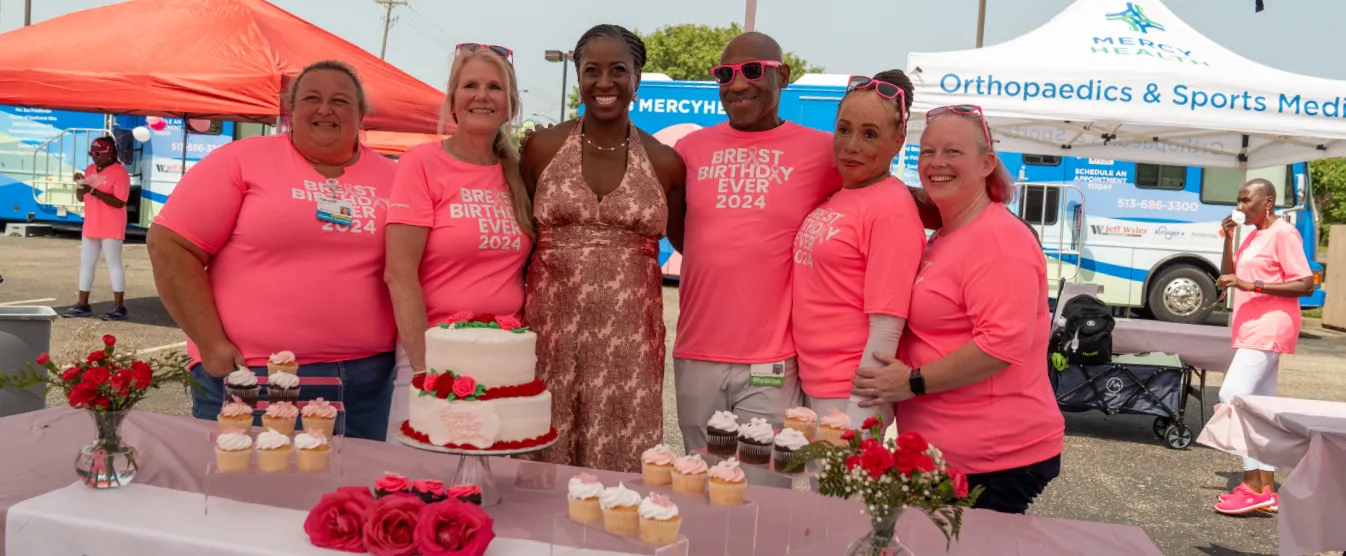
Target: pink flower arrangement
{"points": [[353, 521]]}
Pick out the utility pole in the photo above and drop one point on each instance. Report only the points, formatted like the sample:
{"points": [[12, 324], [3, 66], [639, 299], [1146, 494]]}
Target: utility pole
{"points": [[750, 18], [387, 21], [981, 21], [27, 12]]}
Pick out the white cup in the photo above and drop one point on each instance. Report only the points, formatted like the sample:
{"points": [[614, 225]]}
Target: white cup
{"points": [[1238, 217]]}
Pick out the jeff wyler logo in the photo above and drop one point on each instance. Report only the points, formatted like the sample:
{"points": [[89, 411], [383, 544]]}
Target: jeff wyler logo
{"points": [[1135, 17], [1117, 230]]}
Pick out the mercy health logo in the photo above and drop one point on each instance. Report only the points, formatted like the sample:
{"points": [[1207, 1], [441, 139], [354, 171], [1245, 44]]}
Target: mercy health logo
{"points": [[1135, 17], [1118, 230], [1157, 49]]}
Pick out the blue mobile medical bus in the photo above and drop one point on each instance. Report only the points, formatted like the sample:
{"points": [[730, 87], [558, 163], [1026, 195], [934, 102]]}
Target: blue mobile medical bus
{"points": [[40, 150], [1148, 233]]}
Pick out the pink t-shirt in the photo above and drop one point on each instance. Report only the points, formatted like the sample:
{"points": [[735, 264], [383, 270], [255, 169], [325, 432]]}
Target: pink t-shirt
{"points": [[475, 252], [101, 220], [281, 278], [747, 194], [985, 283], [855, 255], [1261, 321]]}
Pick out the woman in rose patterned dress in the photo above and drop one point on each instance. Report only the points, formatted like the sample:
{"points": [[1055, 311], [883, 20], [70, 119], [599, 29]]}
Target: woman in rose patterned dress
{"points": [[594, 293]]}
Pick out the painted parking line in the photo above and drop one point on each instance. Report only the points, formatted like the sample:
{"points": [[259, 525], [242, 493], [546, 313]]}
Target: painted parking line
{"points": [[161, 348], [27, 301]]}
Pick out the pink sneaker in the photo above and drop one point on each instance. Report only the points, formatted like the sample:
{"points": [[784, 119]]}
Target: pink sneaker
{"points": [[1241, 490], [1246, 502], [1275, 506]]}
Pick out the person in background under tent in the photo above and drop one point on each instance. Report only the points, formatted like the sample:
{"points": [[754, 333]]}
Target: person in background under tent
{"points": [[103, 188], [1268, 273]]}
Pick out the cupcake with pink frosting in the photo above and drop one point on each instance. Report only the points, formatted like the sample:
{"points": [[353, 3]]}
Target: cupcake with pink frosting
{"points": [[393, 484], [465, 493], [689, 475], [282, 362], [728, 484], [429, 490], [835, 424], [582, 493], [657, 465], [320, 414], [803, 420], [280, 417], [236, 416]]}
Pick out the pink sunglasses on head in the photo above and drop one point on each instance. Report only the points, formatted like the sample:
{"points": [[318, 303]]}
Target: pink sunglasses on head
{"points": [[752, 70], [884, 89], [964, 110], [498, 50]]}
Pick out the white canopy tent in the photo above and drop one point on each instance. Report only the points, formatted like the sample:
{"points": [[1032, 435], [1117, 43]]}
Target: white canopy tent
{"points": [[1130, 81]]}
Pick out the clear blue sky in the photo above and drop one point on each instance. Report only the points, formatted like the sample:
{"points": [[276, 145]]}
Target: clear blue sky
{"points": [[1293, 35]]}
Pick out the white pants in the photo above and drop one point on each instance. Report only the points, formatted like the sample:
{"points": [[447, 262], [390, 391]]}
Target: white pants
{"points": [[705, 387], [401, 394], [1251, 373], [112, 255]]}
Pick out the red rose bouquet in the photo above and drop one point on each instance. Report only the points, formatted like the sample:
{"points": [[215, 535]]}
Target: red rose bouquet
{"points": [[891, 475], [106, 380], [353, 520]]}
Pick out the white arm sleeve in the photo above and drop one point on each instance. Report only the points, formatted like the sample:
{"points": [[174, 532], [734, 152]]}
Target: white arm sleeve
{"points": [[884, 333]]}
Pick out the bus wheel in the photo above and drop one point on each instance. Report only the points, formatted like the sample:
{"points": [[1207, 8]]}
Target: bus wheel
{"points": [[1183, 294]]}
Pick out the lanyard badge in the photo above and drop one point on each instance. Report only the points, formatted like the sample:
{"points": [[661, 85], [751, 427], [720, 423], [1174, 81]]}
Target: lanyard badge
{"points": [[331, 207]]}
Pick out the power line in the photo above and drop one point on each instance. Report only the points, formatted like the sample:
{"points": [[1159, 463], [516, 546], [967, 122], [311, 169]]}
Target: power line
{"points": [[388, 21]]}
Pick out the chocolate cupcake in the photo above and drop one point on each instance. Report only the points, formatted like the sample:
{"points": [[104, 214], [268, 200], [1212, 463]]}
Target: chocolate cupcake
{"points": [[466, 493], [242, 383], [722, 434], [282, 387], [787, 442], [754, 442]]}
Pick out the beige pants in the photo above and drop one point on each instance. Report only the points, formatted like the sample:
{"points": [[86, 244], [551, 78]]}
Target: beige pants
{"points": [[705, 387]]}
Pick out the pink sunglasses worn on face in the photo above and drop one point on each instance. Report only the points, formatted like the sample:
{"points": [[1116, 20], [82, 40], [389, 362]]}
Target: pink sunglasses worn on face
{"points": [[963, 110], [884, 89], [498, 50], [751, 70]]}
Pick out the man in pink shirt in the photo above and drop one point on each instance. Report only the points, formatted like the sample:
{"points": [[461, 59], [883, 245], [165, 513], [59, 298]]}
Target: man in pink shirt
{"points": [[103, 188]]}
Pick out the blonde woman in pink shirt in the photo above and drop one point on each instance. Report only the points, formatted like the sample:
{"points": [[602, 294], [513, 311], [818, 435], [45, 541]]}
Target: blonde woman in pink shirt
{"points": [[459, 222], [1266, 275], [971, 368], [274, 245]]}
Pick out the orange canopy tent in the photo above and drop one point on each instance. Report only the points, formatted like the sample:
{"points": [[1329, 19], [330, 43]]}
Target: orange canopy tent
{"points": [[391, 143], [216, 59]]}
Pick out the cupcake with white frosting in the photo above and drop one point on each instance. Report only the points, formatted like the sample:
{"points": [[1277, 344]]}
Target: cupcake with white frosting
{"points": [[754, 442], [835, 424], [282, 387], [619, 510], [689, 475], [582, 493], [233, 452], [722, 433], [273, 451], [802, 419], [728, 484], [282, 362], [242, 384], [657, 465], [312, 450], [659, 520], [787, 442]]}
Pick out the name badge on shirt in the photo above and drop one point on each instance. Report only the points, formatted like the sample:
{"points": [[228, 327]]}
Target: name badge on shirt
{"points": [[335, 211], [767, 374]]}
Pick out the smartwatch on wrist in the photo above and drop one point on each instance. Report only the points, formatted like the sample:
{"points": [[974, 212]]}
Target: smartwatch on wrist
{"points": [[917, 382], [1257, 286]]}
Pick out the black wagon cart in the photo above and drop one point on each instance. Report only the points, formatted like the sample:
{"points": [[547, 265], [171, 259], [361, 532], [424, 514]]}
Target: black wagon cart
{"points": [[1155, 384]]}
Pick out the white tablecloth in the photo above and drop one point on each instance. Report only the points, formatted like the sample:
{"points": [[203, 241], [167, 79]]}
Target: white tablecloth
{"points": [[1307, 435], [142, 520]]}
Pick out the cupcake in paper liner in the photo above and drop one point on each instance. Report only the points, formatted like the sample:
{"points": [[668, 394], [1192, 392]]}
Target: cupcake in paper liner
{"points": [[431, 491], [582, 493], [319, 414], [835, 424], [728, 484], [754, 442], [280, 417], [273, 451], [242, 384], [689, 475], [282, 387], [282, 362], [657, 465], [659, 520], [313, 451], [233, 452], [802, 419], [393, 484], [787, 442], [465, 493], [620, 515], [722, 433], [236, 416]]}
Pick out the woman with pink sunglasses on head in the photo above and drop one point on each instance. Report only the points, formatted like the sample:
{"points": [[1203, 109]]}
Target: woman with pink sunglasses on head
{"points": [[970, 374], [856, 255]]}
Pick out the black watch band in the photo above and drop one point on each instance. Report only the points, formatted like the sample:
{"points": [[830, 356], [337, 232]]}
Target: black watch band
{"points": [[917, 382]]}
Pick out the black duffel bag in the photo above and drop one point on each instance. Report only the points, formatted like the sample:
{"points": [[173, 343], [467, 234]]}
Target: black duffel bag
{"points": [[1083, 332]]}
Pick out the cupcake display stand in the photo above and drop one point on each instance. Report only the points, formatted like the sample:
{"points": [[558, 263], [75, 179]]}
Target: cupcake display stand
{"points": [[474, 466], [805, 479], [570, 537], [219, 484]]}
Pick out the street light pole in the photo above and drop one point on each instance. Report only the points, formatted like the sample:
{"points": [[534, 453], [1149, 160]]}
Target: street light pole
{"points": [[27, 12], [750, 18], [563, 57], [981, 21]]}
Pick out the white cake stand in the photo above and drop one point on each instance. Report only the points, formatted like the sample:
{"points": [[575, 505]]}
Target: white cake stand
{"points": [[474, 466]]}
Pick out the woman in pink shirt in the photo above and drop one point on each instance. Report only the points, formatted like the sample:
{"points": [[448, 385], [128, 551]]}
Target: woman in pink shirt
{"points": [[274, 245], [459, 220], [103, 188], [1268, 274], [971, 369], [856, 255]]}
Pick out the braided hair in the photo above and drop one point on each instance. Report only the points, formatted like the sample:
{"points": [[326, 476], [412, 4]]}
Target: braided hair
{"points": [[617, 32]]}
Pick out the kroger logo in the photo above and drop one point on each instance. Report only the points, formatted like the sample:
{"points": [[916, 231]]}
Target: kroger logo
{"points": [[1134, 17], [1167, 233]]}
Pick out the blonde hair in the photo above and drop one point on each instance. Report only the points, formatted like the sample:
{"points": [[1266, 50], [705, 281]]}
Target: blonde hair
{"points": [[503, 147], [999, 185]]}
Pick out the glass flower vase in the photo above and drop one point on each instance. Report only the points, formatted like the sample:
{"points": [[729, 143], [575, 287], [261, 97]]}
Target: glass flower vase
{"points": [[107, 462], [882, 538]]}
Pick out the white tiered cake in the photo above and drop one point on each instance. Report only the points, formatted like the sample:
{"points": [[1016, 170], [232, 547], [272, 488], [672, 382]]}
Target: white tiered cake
{"points": [[481, 389]]}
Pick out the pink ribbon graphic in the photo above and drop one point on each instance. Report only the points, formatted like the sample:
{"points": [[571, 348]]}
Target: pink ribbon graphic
{"points": [[98, 468]]}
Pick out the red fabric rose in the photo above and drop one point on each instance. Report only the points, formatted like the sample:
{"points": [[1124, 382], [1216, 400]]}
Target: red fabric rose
{"points": [[337, 521], [82, 394], [870, 423], [508, 323], [97, 376], [122, 380], [912, 442], [848, 436], [454, 528], [109, 340], [464, 386], [70, 374], [389, 530], [43, 359], [959, 483], [876, 460], [96, 356]]}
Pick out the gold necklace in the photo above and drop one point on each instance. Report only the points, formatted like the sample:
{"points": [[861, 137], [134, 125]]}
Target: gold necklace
{"points": [[605, 149]]}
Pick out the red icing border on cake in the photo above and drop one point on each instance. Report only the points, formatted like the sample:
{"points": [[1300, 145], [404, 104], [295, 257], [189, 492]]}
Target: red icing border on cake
{"points": [[444, 387], [498, 446]]}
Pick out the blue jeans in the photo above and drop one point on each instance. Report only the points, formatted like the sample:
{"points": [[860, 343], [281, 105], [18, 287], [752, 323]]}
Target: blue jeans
{"points": [[367, 393]]}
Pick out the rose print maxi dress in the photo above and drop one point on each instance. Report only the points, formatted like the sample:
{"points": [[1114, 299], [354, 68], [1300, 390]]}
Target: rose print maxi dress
{"points": [[595, 301]]}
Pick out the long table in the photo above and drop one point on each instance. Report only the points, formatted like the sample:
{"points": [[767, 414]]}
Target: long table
{"points": [[39, 450]]}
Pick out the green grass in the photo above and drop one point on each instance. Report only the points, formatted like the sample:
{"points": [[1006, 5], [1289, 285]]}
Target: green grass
{"points": [[1313, 313]]}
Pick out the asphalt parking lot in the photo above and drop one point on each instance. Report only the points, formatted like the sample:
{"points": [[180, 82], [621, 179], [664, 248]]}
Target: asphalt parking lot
{"points": [[1114, 470]]}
